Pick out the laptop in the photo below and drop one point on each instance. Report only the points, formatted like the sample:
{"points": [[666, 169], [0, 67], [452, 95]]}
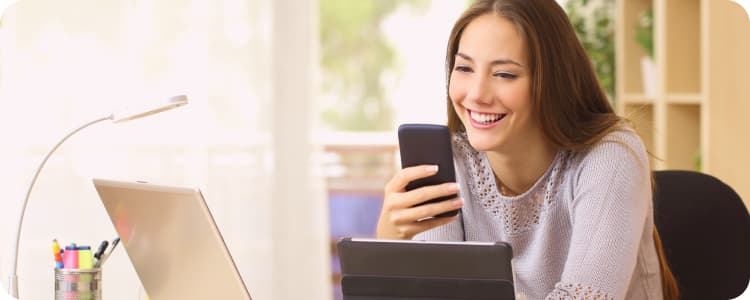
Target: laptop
{"points": [[406, 270], [172, 240]]}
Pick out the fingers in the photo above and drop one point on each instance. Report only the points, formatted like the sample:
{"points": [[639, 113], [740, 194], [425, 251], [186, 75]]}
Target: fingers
{"points": [[403, 215], [404, 223], [395, 188], [426, 193], [422, 212], [404, 176]]}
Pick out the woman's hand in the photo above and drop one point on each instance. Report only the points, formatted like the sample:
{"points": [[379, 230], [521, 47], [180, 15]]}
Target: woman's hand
{"points": [[400, 218]]}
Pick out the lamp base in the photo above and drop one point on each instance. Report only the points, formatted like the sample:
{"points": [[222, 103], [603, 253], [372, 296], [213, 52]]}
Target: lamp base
{"points": [[4, 295], [13, 284]]}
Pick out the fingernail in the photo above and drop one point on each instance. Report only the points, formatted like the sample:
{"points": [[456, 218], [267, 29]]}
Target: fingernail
{"points": [[453, 187], [457, 202], [432, 169]]}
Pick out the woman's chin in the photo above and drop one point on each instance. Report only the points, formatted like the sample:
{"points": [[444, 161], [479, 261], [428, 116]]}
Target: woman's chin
{"points": [[483, 143]]}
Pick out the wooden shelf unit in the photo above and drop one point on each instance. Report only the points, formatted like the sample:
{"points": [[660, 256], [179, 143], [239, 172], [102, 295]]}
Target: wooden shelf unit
{"points": [[698, 117]]}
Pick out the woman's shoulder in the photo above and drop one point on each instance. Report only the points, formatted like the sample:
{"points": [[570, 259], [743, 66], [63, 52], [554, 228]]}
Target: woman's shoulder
{"points": [[623, 139], [620, 145], [625, 136]]}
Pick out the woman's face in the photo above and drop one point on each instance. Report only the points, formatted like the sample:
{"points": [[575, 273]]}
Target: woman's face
{"points": [[490, 85]]}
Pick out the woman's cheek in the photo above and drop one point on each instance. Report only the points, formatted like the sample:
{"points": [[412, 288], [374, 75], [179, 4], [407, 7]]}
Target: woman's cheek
{"points": [[454, 90]]}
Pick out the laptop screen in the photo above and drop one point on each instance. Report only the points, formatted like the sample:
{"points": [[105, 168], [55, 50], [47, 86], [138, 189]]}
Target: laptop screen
{"points": [[172, 240]]}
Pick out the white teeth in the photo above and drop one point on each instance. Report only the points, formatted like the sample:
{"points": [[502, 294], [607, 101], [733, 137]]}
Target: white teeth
{"points": [[485, 118]]}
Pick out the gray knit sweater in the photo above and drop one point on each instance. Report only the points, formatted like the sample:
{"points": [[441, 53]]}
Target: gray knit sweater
{"points": [[582, 231]]}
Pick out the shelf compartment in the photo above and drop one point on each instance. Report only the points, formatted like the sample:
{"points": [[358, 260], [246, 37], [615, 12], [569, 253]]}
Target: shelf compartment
{"points": [[683, 136], [682, 47]]}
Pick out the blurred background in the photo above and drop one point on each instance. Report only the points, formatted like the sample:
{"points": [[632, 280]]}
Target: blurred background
{"points": [[290, 130]]}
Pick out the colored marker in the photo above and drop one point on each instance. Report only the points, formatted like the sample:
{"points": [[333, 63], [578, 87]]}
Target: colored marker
{"points": [[85, 259], [70, 260], [57, 253]]}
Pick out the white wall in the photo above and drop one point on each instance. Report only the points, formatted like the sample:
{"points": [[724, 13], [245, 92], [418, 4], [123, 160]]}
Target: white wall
{"points": [[63, 63]]}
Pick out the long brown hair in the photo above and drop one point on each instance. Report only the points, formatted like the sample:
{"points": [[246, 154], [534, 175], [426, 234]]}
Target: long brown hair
{"points": [[572, 107]]}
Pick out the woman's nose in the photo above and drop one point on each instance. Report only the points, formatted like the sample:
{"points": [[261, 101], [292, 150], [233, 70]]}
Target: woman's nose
{"points": [[479, 91]]}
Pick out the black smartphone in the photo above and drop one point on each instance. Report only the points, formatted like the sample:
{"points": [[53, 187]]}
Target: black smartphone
{"points": [[428, 144]]}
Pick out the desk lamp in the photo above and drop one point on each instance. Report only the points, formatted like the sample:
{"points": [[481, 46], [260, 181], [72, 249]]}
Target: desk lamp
{"points": [[127, 115]]}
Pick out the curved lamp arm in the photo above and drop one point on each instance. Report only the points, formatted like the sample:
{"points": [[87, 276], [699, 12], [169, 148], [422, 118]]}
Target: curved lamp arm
{"points": [[13, 281], [127, 115]]}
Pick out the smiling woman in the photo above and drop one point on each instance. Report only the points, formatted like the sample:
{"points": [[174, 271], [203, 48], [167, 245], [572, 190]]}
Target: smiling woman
{"points": [[543, 161]]}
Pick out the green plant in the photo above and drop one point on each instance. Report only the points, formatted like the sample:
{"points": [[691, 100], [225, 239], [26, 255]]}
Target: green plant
{"points": [[355, 55], [594, 25], [644, 31]]}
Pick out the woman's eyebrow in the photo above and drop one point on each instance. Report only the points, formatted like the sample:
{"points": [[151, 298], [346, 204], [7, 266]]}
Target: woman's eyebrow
{"points": [[494, 62]]}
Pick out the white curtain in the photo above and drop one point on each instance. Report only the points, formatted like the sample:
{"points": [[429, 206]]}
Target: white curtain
{"points": [[248, 69]]}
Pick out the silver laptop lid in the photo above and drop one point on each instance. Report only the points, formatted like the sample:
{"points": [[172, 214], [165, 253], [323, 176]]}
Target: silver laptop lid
{"points": [[172, 241]]}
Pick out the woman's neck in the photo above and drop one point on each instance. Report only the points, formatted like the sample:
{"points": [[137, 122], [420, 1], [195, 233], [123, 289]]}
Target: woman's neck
{"points": [[517, 170]]}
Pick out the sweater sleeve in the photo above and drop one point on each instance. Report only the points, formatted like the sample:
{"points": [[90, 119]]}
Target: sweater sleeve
{"points": [[608, 212]]}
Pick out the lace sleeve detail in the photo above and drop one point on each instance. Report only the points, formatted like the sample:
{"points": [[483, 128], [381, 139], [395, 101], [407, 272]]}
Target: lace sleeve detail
{"points": [[571, 291]]}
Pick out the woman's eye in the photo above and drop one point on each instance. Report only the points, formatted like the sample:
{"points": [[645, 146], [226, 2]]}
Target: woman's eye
{"points": [[506, 75], [462, 69]]}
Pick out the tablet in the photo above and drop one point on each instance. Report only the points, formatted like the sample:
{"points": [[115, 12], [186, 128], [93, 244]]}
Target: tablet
{"points": [[385, 270]]}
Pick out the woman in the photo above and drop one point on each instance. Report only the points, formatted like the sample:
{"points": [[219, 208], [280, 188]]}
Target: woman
{"points": [[542, 160]]}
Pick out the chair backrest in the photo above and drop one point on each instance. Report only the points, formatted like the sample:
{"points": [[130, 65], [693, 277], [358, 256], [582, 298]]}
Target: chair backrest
{"points": [[705, 231]]}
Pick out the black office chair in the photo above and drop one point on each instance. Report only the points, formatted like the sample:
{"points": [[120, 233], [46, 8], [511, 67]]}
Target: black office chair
{"points": [[705, 232]]}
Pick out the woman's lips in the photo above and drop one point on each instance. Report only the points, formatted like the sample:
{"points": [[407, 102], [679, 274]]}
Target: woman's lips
{"points": [[482, 120]]}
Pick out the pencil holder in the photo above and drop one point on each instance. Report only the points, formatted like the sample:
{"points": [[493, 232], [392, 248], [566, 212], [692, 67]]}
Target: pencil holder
{"points": [[78, 284]]}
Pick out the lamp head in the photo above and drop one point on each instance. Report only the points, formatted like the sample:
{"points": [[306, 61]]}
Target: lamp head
{"points": [[149, 109]]}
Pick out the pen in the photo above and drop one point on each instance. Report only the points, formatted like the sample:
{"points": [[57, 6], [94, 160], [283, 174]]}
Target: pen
{"points": [[100, 251], [56, 251], [104, 258]]}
